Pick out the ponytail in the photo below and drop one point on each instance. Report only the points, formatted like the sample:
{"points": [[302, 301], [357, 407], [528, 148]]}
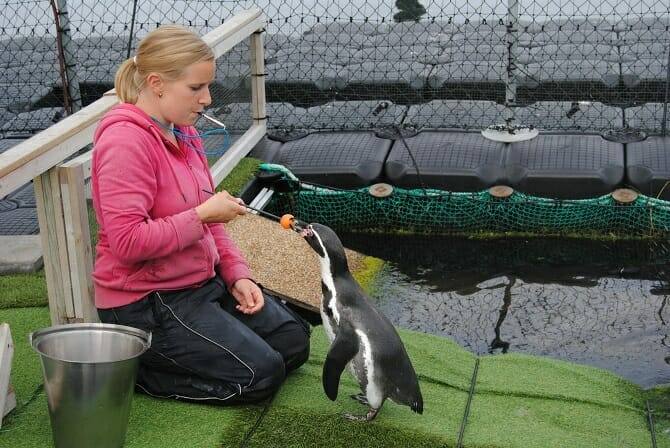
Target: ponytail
{"points": [[125, 82]]}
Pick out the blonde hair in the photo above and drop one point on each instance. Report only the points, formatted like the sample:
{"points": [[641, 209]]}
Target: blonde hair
{"points": [[167, 50]]}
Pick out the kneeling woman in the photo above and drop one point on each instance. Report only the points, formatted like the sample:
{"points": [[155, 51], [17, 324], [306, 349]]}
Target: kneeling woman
{"points": [[164, 262]]}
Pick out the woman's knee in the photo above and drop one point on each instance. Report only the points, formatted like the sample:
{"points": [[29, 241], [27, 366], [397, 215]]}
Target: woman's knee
{"points": [[300, 352], [269, 371]]}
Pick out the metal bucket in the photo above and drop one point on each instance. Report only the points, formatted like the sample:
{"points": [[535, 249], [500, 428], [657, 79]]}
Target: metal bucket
{"points": [[89, 377]]}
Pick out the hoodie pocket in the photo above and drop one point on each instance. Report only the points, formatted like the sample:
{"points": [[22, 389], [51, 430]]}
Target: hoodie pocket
{"points": [[138, 274]]}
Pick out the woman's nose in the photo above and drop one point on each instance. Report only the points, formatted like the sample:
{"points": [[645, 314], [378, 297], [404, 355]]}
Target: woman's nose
{"points": [[206, 99]]}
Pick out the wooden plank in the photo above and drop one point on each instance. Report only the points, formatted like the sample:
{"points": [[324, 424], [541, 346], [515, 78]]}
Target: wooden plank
{"points": [[78, 240], [50, 251], [38, 165], [239, 149], [225, 46], [6, 355], [257, 64], [59, 232], [235, 30], [55, 136], [84, 160]]}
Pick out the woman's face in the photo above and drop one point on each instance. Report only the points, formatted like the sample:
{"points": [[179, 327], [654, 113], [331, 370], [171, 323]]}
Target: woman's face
{"points": [[185, 97]]}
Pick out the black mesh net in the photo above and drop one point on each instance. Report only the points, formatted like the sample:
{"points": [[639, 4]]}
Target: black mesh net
{"points": [[592, 65]]}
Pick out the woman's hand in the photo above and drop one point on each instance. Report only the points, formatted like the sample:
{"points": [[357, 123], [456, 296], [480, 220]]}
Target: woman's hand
{"points": [[221, 207], [248, 295]]}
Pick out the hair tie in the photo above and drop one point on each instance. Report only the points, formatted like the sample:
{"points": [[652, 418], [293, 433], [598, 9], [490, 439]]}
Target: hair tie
{"points": [[135, 60]]}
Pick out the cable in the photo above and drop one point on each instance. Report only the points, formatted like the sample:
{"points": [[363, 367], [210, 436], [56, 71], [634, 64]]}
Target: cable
{"points": [[416, 165], [259, 420], [186, 138]]}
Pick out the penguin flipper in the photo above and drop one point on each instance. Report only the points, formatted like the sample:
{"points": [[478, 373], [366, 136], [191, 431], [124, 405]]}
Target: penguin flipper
{"points": [[342, 350]]}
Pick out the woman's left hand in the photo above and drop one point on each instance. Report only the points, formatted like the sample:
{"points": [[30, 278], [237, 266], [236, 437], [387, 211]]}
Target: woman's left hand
{"points": [[248, 295]]}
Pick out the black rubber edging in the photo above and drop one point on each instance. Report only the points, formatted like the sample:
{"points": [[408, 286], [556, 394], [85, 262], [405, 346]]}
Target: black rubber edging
{"points": [[18, 410], [466, 413], [650, 421], [248, 436]]}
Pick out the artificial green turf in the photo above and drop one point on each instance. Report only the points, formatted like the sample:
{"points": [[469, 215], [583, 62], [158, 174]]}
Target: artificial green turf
{"points": [[241, 174], [519, 401], [21, 290], [511, 421], [27, 425], [168, 423], [306, 417], [560, 380], [658, 400], [26, 370]]}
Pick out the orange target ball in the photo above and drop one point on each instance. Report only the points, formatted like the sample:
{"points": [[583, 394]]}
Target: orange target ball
{"points": [[286, 221]]}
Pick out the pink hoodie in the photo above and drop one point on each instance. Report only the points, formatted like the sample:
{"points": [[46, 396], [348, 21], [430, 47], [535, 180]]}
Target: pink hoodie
{"points": [[145, 191]]}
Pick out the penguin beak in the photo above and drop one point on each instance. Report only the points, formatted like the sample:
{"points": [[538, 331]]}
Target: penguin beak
{"points": [[306, 231], [299, 226]]}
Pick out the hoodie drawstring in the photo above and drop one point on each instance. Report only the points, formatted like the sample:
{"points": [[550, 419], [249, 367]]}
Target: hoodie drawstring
{"points": [[155, 130]]}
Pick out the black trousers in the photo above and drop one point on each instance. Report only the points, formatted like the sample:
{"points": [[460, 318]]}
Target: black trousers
{"points": [[203, 349]]}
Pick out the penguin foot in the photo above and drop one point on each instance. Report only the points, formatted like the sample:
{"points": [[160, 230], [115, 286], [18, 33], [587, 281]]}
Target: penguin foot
{"points": [[372, 413], [361, 398]]}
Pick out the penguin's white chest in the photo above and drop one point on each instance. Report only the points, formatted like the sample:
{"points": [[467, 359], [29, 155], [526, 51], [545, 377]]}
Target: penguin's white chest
{"points": [[330, 315], [364, 366]]}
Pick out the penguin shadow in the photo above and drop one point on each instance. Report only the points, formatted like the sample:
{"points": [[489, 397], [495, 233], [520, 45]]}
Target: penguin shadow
{"points": [[361, 337]]}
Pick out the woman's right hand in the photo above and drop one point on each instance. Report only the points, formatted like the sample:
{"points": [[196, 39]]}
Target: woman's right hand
{"points": [[221, 207]]}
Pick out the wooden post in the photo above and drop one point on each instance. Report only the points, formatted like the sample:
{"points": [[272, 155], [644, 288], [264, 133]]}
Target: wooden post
{"points": [[73, 176], [54, 251], [7, 396], [250, 23], [258, 79]]}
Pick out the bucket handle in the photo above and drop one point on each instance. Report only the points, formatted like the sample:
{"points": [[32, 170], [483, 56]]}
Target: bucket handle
{"points": [[32, 334]]}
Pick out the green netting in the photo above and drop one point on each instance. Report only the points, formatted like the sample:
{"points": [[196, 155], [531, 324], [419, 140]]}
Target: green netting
{"points": [[440, 212]]}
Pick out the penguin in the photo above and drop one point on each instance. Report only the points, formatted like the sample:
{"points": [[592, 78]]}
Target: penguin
{"points": [[361, 337]]}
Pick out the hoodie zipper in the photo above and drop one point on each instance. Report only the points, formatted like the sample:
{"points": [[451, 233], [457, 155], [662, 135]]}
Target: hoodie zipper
{"points": [[184, 155], [180, 153]]}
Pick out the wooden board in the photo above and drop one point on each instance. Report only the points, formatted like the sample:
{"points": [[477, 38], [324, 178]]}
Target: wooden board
{"points": [[7, 396]]}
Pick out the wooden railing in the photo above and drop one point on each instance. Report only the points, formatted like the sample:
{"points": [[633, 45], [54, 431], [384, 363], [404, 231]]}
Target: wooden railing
{"points": [[60, 186]]}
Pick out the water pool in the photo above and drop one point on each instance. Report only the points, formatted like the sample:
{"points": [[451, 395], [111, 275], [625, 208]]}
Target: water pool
{"points": [[592, 302]]}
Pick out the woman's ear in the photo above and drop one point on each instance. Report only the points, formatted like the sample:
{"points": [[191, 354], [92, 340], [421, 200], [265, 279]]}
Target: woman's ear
{"points": [[155, 83]]}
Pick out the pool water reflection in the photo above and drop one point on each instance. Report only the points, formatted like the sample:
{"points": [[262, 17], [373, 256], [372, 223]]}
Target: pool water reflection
{"points": [[591, 302]]}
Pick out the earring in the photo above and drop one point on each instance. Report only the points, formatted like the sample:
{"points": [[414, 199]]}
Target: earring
{"points": [[160, 94]]}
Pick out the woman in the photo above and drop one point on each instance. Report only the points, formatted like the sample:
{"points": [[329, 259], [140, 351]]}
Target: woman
{"points": [[164, 262]]}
